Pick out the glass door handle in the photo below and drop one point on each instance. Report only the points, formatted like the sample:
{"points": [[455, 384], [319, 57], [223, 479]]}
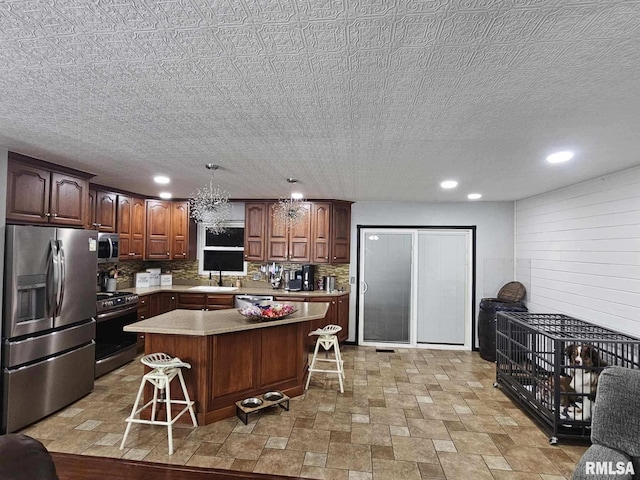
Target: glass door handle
{"points": [[363, 286]]}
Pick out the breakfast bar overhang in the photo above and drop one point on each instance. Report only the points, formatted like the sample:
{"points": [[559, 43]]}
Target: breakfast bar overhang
{"points": [[231, 357]]}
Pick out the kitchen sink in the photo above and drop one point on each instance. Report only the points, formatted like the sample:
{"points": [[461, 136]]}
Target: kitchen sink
{"points": [[207, 288]]}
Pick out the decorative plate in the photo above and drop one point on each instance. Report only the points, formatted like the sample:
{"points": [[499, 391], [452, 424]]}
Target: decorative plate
{"points": [[263, 313]]}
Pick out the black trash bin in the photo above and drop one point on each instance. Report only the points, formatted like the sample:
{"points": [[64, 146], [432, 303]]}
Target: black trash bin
{"points": [[487, 323]]}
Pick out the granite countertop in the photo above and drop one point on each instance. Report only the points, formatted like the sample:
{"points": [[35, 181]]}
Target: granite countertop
{"points": [[215, 322], [235, 291]]}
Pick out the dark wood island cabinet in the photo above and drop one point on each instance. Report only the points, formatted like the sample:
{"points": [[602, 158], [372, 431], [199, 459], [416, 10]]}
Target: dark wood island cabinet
{"points": [[232, 358]]}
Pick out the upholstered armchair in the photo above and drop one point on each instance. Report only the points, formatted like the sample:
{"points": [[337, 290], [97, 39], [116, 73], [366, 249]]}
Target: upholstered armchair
{"points": [[24, 458], [615, 428]]}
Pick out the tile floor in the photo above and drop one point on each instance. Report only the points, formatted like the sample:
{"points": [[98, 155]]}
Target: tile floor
{"points": [[411, 414]]}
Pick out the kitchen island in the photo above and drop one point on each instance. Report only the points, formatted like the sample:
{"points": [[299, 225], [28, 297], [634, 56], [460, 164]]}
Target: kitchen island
{"points": [[231, 357]]}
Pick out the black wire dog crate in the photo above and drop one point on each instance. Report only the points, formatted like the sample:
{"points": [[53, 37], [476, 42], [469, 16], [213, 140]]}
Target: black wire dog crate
{"points": [[533, 368]]}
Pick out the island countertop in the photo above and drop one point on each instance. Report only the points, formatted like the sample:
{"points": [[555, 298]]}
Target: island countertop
{"points": [[215, 322]]}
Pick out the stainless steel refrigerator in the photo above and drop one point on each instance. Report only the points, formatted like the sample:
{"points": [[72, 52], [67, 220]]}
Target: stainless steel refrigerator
{"points": [[48, 330]]}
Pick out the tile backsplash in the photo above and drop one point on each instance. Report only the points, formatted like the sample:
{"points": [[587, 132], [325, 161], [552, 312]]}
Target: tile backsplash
{"points": [[186, 272]]}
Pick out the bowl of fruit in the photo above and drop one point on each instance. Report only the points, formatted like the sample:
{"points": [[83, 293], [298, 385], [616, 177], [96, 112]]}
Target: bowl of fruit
{"points": [[261, 313]]}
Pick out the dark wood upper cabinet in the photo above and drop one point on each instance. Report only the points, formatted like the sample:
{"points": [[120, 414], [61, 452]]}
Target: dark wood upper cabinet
{"points": [[158, 214], [28, 193], [170, 233], [323, 236], [320, 232], [68, 199], [39, 195], [341, 232], [138, 216], [300, 238], [106, 207], [288, 243], [277, 237], [131, 215], [255, 231], [180, 230], [125, 207]]}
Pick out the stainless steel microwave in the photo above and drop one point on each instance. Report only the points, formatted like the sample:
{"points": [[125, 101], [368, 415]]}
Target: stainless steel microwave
{"points": [[108, 247]]}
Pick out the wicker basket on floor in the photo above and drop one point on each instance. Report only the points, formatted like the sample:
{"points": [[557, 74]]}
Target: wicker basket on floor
{"points": [[511, 292]]}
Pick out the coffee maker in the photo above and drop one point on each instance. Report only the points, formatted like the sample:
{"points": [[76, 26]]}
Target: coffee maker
{"points": [[308, 275], [294, 284]]}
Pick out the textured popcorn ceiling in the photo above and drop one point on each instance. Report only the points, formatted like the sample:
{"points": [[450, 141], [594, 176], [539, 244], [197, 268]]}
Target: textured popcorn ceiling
{"points": [[359, 99]]}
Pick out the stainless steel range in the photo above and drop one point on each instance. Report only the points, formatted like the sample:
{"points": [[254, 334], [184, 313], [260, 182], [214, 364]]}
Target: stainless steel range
{"points": [[114, 347]]}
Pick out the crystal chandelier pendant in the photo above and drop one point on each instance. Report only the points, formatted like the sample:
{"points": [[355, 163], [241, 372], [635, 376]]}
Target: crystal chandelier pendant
{"points": [[210, 205], [290, 211]]}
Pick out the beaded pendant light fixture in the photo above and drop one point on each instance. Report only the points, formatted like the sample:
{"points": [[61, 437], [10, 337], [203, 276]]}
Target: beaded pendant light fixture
{"points": [[210, 205], [290, 211]]}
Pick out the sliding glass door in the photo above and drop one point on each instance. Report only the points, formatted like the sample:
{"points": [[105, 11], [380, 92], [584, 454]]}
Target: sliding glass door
{"points": [[385, 300], [442, 287], [415, 287]]}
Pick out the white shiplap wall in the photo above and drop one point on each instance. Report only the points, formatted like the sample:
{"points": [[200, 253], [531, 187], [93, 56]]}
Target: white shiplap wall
{"points": [[577, 250]]}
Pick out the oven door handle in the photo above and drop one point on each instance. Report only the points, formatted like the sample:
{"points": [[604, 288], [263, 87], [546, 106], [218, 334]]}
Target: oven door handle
{"points": [[101, 317]]}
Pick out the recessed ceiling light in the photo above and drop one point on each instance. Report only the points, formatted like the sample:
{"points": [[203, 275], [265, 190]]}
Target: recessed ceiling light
{"points": [[449, 184], [560, 157], [161, 179], [165, 195], [297, 196], [474, 196]]}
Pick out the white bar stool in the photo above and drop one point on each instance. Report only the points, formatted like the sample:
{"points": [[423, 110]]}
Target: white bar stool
{"points": [[328, 339], [165, 368]]}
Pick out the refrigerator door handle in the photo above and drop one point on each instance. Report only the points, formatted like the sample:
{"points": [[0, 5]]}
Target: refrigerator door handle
{"points": [[53, 279], [63, 276]]}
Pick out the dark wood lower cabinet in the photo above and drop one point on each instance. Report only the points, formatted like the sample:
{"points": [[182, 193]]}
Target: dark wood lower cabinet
{"points": [[342, 317], [192, 301], [338, 314], [220, 302], [203, 301], [160, 303]]}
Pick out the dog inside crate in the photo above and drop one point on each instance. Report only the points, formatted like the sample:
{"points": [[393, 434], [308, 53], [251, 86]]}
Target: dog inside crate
{"points": [[577, 382]]}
